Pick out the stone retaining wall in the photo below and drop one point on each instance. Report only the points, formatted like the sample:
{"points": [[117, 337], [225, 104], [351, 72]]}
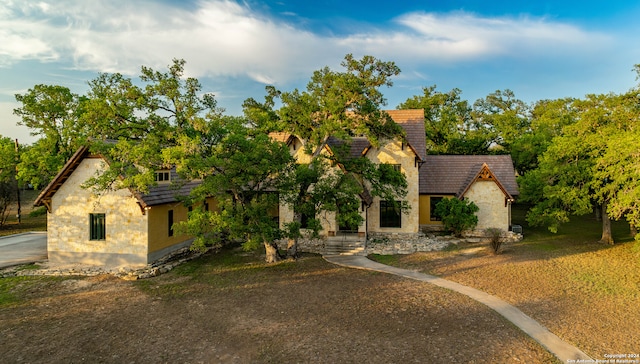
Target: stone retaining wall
{"points": [[402, 243], [157, 268], [392, 243]]}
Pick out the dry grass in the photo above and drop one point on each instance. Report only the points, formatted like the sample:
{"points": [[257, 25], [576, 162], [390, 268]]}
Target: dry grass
{"points": [[233, 308], [585, 292]]}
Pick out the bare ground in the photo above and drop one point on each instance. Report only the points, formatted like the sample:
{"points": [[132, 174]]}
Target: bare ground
{"points": [[225, 308], [585, 292]]}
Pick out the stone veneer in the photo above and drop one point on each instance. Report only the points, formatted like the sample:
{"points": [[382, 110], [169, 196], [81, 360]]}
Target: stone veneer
{"points": [[68, 223]]}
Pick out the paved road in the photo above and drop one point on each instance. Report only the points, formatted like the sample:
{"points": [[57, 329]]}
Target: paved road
{"points": [[23, 248]]}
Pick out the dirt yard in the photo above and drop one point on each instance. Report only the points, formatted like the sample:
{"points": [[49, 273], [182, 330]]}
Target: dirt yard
{"points": [[585, 292], [231, 308]]}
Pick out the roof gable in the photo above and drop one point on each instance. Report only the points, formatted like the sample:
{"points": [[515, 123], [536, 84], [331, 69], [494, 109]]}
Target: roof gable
{"points": [[453, 174], [412, 121], [157, 195], [485, 174]]}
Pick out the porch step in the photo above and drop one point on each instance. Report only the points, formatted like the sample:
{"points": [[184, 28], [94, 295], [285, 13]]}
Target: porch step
{"points": [[344, 245]]}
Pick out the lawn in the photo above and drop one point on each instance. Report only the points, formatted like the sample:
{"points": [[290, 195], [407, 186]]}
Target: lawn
{"points": [[231, 307], [585, 292]]}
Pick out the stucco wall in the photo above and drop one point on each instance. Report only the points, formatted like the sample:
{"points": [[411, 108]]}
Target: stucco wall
{"points": [[159, 226], [491, 201], [395, 153], [68, 223]]}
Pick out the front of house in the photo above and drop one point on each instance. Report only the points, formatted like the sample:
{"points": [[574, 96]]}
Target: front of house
{"points": [[124, 228], [114, 227], [487, 180], [381, 217]]}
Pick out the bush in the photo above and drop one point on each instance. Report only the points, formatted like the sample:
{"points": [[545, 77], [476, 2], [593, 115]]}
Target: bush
{"points": [[38, 212], [457, 215], [495, 241]]}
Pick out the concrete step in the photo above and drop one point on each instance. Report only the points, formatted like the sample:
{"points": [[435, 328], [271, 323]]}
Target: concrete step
{"points": [[358, 251], [344, 248]]}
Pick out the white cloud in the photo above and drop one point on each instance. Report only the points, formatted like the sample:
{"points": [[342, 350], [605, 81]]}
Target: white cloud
{"points": [[223, 37], [430, 37]]}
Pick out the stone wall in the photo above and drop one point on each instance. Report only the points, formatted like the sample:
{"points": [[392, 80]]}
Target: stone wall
{"points": [[392, 244], [494, 210], [399, 243], [68, 223], [395, 152]]}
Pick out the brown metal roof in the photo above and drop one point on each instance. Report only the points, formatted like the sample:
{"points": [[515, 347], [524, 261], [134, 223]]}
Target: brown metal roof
{"points": [[452, 174], [412, 121]]}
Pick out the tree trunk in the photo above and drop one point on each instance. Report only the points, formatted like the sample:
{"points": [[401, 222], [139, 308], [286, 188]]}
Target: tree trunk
{"points": [[272, 254], [292, 249], [633, 229], [607, 238]]}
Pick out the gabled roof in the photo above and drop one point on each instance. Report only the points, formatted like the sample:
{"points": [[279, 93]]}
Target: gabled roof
{"points": [[454, 174], [280, 136], [357, 148], [412, 121], [157, 195]]}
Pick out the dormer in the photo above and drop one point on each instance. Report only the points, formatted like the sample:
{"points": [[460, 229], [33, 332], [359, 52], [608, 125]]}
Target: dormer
{"points": [[163, 176]]}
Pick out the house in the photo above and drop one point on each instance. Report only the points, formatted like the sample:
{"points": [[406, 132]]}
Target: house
{"points": [[126, 228], [407, 155], [487, 180], [113, 228]]}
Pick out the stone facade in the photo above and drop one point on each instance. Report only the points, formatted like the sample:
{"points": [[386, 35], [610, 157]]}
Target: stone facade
{"points": [[68, 223], [112, 228], [396, 152], [494, 208]]}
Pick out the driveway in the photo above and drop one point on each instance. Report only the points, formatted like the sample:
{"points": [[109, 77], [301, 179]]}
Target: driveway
{"points": [[23, 248]]}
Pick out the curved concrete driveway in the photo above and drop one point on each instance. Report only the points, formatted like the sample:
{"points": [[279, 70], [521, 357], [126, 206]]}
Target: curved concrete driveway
{"points": [[562, 350], [23, 248]]}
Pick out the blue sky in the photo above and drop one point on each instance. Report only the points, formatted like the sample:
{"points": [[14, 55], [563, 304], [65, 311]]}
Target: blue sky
{"points": [[538, 49]]}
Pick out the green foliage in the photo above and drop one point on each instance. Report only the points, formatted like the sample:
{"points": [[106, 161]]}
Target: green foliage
{"points": [[548, 118], [341, 105], [39, 211], [8, 183], [449, 126], [503, 117], [457, 215], [592, 160], [53, 113]]}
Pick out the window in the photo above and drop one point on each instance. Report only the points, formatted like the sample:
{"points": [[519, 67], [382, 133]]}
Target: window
{"points": [[97, 227], [433, 201], [304, 220], [170, 218], [163, 176], [390, 214]]}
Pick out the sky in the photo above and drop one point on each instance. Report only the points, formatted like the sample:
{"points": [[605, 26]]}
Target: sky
{"points": [[538, 49]]}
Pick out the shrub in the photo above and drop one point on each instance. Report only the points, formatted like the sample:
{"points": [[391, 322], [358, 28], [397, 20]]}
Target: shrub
{"points": [[38, 212], [495, 241], [457, 215]]}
